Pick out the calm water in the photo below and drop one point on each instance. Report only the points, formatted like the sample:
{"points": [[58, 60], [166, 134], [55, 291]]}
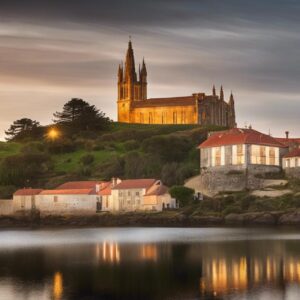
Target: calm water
{"points": [[150, 263]]}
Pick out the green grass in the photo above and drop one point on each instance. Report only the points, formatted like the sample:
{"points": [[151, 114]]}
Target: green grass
{"points": [[8, 149]]}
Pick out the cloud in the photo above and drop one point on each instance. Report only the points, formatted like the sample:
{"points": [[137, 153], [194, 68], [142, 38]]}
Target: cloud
{"points": [[51, 51]]}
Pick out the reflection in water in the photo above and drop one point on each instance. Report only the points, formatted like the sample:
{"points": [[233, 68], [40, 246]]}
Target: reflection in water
{"points": [[57, 286], [112, 269], [149, 252], [110, 252]]}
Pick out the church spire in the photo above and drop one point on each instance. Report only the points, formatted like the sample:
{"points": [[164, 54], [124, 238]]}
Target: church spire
{"points": [[129, 63], [221, 93], [231, 100], [144, 69], [214, 90], [120, 73]]}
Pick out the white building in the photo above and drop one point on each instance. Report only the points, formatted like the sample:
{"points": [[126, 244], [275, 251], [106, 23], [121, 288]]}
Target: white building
{"points": [[241, 148], [291, 163]]}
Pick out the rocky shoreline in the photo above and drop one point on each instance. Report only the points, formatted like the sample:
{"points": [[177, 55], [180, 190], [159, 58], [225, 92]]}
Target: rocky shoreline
{"points": [[150, 220]]}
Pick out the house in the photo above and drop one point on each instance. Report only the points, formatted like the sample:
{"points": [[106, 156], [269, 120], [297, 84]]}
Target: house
{"points": [[25, 199], [291, 163], [232, 160], [89, 197], [73, 201], [141, 194]]}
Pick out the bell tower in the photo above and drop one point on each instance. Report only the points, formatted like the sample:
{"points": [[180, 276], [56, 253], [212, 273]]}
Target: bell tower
{"points": [[130, 87]]}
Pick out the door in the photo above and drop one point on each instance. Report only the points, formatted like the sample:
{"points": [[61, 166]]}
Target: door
{"points": [[98, 205]]}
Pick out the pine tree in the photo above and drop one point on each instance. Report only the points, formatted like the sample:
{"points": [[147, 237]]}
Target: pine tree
{"points": [[79, 115], [21, 128]]}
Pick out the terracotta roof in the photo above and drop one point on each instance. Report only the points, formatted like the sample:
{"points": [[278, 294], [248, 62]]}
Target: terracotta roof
{"points": [[174, 101], [237, 136], [293, 153], [288, 141], [135, 184], [71, 185], [27, 192], [157, 189], [69, 192], [105, 189]]}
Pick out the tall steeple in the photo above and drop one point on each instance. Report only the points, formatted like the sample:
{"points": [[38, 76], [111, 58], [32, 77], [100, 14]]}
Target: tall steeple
{"points": [[231, 100], [221, 94], [214, 90], [130, 73], [143, 81], [120, 73]]}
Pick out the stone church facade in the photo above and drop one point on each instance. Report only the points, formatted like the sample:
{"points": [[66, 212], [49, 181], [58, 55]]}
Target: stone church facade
{"points": [[199, 108]]}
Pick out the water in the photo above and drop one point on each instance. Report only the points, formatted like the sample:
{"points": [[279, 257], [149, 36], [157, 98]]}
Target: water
{"points": [[150, 263]]}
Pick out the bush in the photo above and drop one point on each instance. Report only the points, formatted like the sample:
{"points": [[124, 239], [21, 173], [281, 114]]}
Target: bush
{"points": [[87, 159], [182, 194], [131, 145], [61, 146], [6, 191], [33, 147]]}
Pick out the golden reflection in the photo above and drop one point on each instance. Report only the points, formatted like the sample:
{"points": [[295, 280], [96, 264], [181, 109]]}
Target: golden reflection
{"points": [[221, 275], [110, 252], [149, 252], [57, 286]]}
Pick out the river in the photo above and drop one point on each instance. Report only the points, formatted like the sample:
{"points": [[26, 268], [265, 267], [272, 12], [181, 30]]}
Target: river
{"points": [[150, 263]]}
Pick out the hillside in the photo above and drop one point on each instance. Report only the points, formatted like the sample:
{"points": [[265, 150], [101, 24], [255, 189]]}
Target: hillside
{"points": [[125, 150]]}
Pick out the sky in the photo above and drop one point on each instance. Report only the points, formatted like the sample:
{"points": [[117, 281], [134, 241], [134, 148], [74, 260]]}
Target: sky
{"points": [[52, 51]]}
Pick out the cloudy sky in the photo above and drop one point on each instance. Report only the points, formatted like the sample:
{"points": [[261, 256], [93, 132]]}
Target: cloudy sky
{"points": [[51, 51]]}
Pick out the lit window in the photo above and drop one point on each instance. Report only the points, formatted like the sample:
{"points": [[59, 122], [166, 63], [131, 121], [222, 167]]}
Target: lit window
{"points": [[240, 154], [218, 156], [137, 194], [228, 155], [55, 198], [272, 156]]}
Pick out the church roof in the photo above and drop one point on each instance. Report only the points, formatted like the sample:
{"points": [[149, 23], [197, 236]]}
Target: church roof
{"points": [[238, 136], [172, 101]]}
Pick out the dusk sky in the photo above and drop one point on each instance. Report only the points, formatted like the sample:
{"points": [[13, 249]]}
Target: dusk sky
{"points": [[52, 51]]}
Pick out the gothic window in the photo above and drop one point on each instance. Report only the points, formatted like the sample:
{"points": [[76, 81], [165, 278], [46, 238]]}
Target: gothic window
{"points": [[150, 118], [174, 117], [141, 118]]}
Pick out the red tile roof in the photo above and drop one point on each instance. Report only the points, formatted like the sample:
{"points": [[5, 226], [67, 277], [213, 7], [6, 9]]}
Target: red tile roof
{"points": [[135, 184], [69, 192], [174, 101], [71, 185], [293, 153], [157, 189], [237, 136], [27, 192], [288, 141], [105, 189]]}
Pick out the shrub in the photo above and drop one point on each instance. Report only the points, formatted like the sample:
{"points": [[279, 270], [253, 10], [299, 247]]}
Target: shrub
{"points": [[87, 159], [131, 145], [182, 194], [6, 191]]}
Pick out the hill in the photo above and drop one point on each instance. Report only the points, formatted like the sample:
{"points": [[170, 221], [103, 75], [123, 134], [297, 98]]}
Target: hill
{"points": [[168, 152]]}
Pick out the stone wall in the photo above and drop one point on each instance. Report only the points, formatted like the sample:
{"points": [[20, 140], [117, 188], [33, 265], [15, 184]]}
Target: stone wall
{"points": [[293, 172], [6, 207], [233, 178]]}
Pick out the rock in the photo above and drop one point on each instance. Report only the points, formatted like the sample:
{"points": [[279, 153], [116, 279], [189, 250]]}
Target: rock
{"points": [[271, 193], [290, 219], [274, 183], [255, 218]]}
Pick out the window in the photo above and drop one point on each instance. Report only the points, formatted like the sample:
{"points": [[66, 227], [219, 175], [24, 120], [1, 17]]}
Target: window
{"points": [[55, 198], [218, 156], [288, 163], [129, 193], [263, 155], [297, 163], [174, 117], [228, 155], [141, 118], [120, 193], [240, 154], [204, 157], [137, 194], [272, 156]]}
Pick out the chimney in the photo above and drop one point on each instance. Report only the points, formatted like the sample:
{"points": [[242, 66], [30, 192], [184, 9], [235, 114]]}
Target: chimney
{"points": [[287, 134], [97, 187]]}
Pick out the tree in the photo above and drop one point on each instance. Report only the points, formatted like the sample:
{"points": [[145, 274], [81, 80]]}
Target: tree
{"points": [[182, 194], [79, 115], [22, 128]]}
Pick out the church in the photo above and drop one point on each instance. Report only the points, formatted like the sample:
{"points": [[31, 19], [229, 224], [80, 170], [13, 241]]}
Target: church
{"points": [[135, 107]]}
